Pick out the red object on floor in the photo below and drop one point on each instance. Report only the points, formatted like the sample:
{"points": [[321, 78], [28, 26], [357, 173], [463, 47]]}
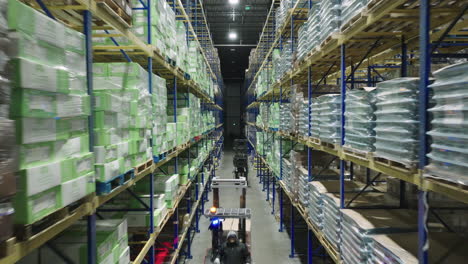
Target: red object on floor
{"points": [[162, 253]]}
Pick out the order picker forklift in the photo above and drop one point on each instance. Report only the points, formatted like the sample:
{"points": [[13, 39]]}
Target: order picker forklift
{"points": [[240, 161], [223, 220]]}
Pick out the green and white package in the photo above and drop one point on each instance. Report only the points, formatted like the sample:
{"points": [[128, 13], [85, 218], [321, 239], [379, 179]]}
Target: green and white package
{"points": [[73, 190]]}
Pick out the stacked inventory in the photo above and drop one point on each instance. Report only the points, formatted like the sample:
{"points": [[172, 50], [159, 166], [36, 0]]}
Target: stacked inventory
{"points": [[315, 111], [332, 217], [402, 248], [274, 116], [298, 176], [167, 185], [262, 83], [330, 118], [111, 244], [7, 138], [309, 32], [303, 119], [317, 189], [303, 42], [182, 45], [360, 225], [281, 13], [360, 120], [50, 106], [262, 117], [330, 18], [350, 8], [448, 158], [122, 108], [197, 69], [159, 115], [286, 118], [164, 27], [296, 97], [276, 65], [397, 120]]}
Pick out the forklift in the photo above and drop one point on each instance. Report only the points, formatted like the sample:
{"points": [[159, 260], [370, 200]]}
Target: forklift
{"points": [[223, 220], [240, 161]]}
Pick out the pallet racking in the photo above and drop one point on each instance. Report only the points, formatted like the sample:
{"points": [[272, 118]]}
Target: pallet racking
{"points": [[385, 35], [88, 15]]}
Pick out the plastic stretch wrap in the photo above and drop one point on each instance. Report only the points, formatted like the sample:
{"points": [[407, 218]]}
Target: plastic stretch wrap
{"points": [[448, 158], [360, 120], [350, 8], [397, 120], [333, 216], [317, 189], [360, 225], [402, 248], [330, 118]]}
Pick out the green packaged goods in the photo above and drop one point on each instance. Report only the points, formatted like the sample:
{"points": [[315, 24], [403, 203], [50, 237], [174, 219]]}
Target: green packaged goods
{"points": [[33, 130], [38, 76], [72, 146], [73, 190], [29, 209], [107, 171], [34, 23], [105, 154], [26, 47], [34, 180]]}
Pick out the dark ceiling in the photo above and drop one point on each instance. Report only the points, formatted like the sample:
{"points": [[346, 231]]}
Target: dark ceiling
{"points": [[248, 24]]}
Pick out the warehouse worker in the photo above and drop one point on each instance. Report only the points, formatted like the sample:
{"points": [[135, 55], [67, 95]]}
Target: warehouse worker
{"points": [[233, 251]]}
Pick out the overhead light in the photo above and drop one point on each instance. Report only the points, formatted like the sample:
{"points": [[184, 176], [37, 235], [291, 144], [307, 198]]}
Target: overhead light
{"points": [[232, 35], [234, 2]]}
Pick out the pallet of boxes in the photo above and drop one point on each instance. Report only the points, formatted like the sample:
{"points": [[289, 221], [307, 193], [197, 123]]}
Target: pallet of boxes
{"points": [[50, 107], [7, 144]]}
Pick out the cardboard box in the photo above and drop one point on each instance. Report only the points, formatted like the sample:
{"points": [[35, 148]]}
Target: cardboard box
{"points": [[73, 190], [30, 208]]}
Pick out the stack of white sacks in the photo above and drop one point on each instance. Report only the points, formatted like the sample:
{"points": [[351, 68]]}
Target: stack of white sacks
{"points": [[397, 120], [159, 115], [330, 118], [360, 120], [448, 158], [360, 225]]}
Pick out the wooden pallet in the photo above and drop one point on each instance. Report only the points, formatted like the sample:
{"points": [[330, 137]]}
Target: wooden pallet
{"points": [[333, 36], [314, 140], [439, 179], [116, 11], [328, 145], [24, 232], [7, 247], [145, 165], [334, 250], [345, 27], [357, 153], [405, 168]]}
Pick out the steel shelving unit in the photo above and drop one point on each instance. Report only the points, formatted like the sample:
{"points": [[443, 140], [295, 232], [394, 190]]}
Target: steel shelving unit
{"points": [[387, 35], [88, 15]]}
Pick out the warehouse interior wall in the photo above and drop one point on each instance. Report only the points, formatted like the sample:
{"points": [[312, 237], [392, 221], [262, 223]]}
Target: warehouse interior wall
{"points": [[232, 110]]}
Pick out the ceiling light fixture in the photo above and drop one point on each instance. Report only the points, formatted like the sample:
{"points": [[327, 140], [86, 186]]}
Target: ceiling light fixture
{"points": [[232, 35], [233, 2]]}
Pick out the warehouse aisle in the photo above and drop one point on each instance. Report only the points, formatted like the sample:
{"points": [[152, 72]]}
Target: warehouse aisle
{"points": [[268, 245]]}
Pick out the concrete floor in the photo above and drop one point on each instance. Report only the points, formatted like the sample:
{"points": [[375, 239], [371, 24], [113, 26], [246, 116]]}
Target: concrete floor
{"points": [[268, 245]]}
